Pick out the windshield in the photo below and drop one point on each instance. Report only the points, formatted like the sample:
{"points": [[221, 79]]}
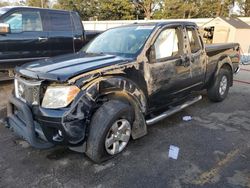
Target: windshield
{"points": [[123, 41], [3, 10]]}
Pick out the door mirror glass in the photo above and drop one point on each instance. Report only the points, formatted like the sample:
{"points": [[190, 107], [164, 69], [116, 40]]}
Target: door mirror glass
{"points": [[4, 28]]}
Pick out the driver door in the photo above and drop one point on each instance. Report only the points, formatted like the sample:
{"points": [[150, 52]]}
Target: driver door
{"points": [[169, 74]]}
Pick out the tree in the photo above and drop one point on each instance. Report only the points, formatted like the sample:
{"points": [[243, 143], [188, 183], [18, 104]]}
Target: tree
{"points": [[38, 3], [100, 9], [245, 7], [223, 7], [3, 4], [87, 9], [116, 10], [179, 9], [156, 9], [148, 6], [214, 8], [193, 9]]}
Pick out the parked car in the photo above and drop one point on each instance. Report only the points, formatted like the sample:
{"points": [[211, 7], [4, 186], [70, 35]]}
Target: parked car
{"points": [[128, 77], [28, 34]]}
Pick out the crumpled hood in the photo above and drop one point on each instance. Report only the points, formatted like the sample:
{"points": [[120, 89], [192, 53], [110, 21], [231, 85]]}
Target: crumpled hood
{"points": [[64, 67]]}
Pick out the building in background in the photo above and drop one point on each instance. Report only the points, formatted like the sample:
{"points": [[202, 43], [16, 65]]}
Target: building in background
{"points": [[221, 30]]}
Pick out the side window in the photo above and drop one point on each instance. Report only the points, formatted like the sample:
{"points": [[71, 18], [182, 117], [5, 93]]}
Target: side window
{"points": [[60, 21], [15, 21], [166, 45], [194, 41], [24, 21], [77, 22], [32, 21]]}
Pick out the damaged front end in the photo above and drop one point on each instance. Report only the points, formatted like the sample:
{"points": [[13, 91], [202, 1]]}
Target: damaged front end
{"points": [[47, 113], [46, 126]]}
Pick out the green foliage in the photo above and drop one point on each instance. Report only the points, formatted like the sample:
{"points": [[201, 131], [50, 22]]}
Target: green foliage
{"points": [[149, 7], [245, 7], [116, 10], [38, 3], [193, 9], [100, 9], [3, 4], [133, 9], [86, 8]]}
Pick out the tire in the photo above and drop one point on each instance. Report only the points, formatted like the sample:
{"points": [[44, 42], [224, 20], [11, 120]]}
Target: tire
{"points": [[218, 90], [105, 128]]}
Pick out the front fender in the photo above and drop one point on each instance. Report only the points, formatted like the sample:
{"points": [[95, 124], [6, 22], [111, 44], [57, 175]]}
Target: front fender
{"points": [[85, 104], [124, 88]]}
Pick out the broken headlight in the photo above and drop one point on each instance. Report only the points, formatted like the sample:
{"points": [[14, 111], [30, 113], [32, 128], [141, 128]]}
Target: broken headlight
{"points": [[59, 96]]}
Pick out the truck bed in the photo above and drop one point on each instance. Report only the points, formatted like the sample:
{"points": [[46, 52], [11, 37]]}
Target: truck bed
{"points": [[219, 46]]}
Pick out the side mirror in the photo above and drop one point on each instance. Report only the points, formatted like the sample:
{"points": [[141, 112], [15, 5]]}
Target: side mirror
{"points": [[184, 61], [151, 54], [4, 28]]}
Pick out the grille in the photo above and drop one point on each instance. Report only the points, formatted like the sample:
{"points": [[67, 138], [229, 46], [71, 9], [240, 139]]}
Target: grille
{"points": [[28, 90]]}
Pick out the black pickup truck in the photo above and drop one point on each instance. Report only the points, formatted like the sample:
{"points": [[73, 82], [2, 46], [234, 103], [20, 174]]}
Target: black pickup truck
{"points": [[28, 34], [128, 77]]}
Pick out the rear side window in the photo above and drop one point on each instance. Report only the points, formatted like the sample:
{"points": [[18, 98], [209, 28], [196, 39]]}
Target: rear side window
{"points": [[194, 41], [77, 22], [166, 45], [60, 21], [24, 21]]}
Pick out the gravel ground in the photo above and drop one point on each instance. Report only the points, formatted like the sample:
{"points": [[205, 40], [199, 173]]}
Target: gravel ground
{"points": [[214, 152], [5, 90]]}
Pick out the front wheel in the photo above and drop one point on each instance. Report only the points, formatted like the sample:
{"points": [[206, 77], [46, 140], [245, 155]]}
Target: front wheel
{"points": [[218, 90], [110, 130]]}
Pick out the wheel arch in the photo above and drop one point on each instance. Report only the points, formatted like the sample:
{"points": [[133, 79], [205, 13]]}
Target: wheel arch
{"points": [[225, 63], [120, 88]]}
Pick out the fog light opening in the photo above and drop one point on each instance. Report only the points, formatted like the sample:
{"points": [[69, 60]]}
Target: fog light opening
{"points": [[58, 137], [60, 133]]}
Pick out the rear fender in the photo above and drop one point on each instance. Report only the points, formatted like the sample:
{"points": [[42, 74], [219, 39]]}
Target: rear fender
{"points": [[224, 62]]}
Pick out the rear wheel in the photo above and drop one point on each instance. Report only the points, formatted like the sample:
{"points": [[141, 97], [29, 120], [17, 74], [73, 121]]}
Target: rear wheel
{"points": [[219, 89], [110, 130]]}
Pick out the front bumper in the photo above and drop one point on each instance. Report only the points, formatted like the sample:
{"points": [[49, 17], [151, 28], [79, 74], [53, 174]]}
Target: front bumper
{"points": [[44, 128], [22, 123]]}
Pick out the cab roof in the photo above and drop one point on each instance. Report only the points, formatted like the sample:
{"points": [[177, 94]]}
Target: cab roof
{"points": [[32, 8], [162, 24]]}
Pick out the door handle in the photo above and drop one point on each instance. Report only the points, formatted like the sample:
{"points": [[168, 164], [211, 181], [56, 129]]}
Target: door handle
{"points": [[185, 61], [42, 39], [77, 38], [187, 64]]}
